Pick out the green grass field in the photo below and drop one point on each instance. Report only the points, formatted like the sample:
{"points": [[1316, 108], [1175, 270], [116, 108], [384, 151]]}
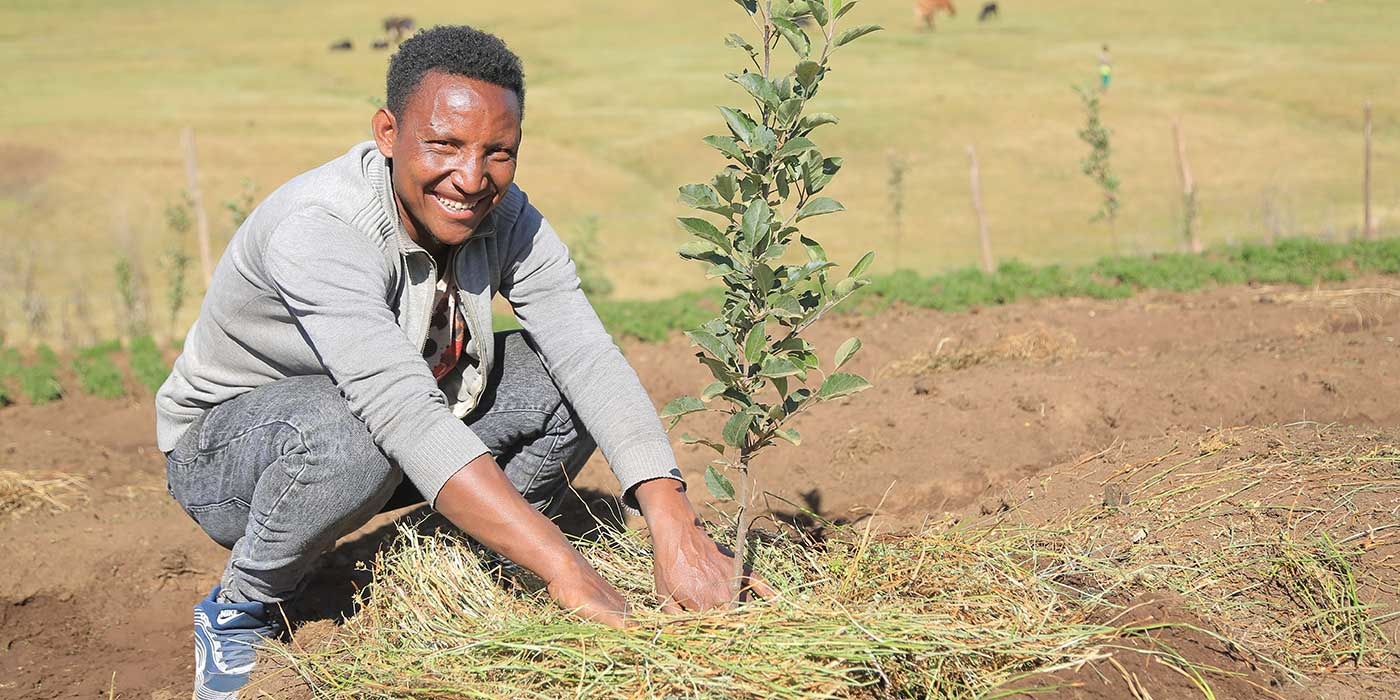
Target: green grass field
{"points": [[1270, 92]]}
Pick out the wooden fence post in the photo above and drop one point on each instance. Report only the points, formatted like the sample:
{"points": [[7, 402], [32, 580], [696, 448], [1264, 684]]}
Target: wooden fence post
{"points": [[1188, 191], [1368, 225], [197, 203], [985, 240]]}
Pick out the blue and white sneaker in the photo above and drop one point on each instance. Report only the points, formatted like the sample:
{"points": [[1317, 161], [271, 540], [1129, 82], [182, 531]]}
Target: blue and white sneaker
{"points": [[226, 637]]}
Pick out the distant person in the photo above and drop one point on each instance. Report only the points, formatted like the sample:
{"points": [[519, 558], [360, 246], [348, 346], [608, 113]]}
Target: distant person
{"points": [[1105, 69], [344, 363]]}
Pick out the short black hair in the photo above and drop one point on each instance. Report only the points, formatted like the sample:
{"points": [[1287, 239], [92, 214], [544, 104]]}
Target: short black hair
{"points": [[456, 50]]}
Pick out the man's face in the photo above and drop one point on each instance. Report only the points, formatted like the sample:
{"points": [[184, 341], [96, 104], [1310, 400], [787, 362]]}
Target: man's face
{"points": [[454, 153]]}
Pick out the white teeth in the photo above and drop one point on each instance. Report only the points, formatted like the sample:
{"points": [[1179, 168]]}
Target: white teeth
{"points": [[454, 206]]}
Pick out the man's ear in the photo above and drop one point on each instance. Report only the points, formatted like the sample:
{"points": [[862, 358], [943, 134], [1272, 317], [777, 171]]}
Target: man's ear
{"points": [[384, 127]]}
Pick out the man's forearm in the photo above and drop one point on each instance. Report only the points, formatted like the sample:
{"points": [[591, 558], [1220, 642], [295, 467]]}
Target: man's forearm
{"points": [[481, 501]]}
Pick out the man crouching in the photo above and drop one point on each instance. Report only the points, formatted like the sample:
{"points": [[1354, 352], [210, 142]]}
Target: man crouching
{"points": [[345, 343]]}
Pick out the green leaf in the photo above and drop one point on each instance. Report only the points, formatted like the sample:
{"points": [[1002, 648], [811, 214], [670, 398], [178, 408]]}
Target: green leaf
{"points": [[710, 343], [693, 440], [718, 270], [719, 370], [797, 38], [795, 145], [718, 486], [759, 87], [755, 221], [841, 384], [700, 197], [807, 73], [818, 8], [820, 174], [856, 32], [763, 278], [727, 146], [696, 250], [705, 230], [724, 184], [775, 367], [815, 252], [740, 124], [764, 140], [818, 206], [846, 351], [751, 6], [839, 8], [737, 428], [682, 405], [816, 119], [863, 264], [753, 344], [713, 390], [738, 42], [790, 435], [848, 285], [789, 110]]}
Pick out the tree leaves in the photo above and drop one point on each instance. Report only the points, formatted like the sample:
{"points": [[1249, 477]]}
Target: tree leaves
{"points": [[682, 405], [706, 231], [740, 124], [841, 384], [712, 344], [737, 428], [772, 174], [847, 350], [718, 485], [818, 206], [796, 38]]}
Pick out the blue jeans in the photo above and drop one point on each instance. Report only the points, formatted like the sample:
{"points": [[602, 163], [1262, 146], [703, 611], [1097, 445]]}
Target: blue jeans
{"points": [[280, 473]]}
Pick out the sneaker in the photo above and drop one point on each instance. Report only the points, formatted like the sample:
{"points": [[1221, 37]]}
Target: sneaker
{"points": [[226, 637]]}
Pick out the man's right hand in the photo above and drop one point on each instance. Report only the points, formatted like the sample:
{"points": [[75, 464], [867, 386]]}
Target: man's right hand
{"points": [[585, 593], [481, 500]]}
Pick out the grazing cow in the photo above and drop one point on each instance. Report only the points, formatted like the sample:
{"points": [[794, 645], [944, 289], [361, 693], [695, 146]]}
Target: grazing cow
{"points": [[397, 28], [989, 10], [342, 45], [924, 11], [379, 44]]}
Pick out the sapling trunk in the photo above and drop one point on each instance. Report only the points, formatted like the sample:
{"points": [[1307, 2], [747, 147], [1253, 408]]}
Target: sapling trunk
{"points": [[754, 350], [745, 523]]}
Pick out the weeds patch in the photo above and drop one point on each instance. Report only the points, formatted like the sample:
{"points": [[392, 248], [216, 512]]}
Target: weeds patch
{"points": [[98, 375], [38, 381], [147, 364]]}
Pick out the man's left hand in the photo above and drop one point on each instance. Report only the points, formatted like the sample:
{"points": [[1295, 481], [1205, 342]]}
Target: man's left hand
{"points": [[693, 572]]}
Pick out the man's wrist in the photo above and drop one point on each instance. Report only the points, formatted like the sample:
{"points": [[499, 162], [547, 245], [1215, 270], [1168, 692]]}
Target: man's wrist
{"points": [[664, 505]]}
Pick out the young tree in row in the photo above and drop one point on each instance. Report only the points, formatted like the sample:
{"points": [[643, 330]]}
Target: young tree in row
{"points": [[777, 281]]}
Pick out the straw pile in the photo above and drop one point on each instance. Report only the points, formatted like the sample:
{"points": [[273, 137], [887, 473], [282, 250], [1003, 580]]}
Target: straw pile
{"points": [[948, 612], [19, 493]]}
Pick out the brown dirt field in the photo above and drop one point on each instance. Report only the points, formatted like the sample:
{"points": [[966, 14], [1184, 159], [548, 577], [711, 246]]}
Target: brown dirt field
{"points": [[1003, 412]]}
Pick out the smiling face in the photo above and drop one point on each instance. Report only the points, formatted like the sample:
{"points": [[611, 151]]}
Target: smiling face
{"points": [[454, 150]]}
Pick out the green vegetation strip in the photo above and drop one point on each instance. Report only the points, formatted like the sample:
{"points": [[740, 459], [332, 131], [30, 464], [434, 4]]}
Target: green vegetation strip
{"points": [[39, 379], [970, 611], [1292, 261], [98, 374], [147, 364], [9, 369]]}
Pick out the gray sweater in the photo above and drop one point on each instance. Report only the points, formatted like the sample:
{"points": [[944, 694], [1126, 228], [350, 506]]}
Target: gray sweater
{"points": [[323, 279]]}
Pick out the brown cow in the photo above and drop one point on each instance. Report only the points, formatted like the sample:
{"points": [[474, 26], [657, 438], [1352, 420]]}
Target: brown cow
{"points": [[924, 11]]}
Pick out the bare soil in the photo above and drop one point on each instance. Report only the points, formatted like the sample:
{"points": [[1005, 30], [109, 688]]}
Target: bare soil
{"points": [[973, 415]]}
